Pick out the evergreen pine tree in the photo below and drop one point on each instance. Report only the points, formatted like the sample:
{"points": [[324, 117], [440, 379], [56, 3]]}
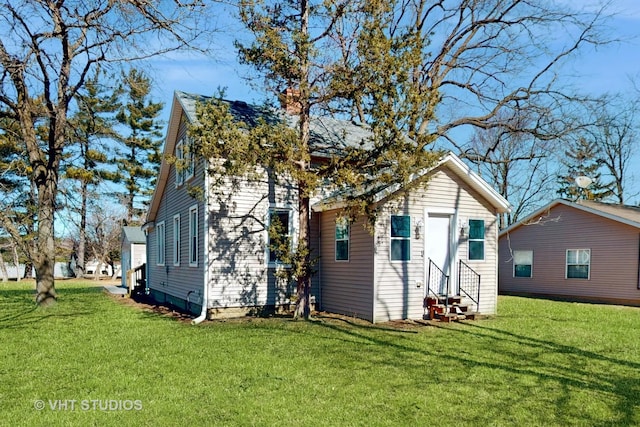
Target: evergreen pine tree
{"points": [[582, 159], [138, 161]]}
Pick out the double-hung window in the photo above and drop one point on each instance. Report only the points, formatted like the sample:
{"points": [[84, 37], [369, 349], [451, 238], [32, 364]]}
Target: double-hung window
{"points": [[476, 239], [193, 236], [279, 234], [176, 240], [185, 161], [522, 263], [160, 243], [342, 239], [400, 238], [578, 263]]}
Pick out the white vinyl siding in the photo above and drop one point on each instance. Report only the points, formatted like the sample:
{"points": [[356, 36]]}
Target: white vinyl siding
{"points": [[522, 263], [160, 249], [176, 240], [193, 236], [578, 263]]}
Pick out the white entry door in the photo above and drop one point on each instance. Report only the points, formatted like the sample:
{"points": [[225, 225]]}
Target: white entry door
{"points": [[438, 247]]}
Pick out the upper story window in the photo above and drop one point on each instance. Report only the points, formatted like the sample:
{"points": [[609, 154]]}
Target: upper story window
{"points": [[342, 239], [400, 238], [185, 161], [476, 239]]}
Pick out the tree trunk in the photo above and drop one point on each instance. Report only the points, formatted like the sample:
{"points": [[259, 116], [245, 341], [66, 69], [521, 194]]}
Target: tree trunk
{"points": [[44, 259], [82, 239], [16, 260], [303, 303]]}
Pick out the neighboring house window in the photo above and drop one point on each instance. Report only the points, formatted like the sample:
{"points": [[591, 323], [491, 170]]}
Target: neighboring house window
{"points": [[176, 240], [476, 239], [279, 234], [185, 162], [160, 243], [193, 236], [522, 263], [578, 263], [400, 238], [342, 239]]}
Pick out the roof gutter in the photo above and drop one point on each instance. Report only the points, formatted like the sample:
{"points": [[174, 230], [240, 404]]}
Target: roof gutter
{"points": [[205, 257]]}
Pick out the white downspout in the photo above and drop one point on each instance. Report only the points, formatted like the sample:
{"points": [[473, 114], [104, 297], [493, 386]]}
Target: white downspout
{"points": [[205, 255]]}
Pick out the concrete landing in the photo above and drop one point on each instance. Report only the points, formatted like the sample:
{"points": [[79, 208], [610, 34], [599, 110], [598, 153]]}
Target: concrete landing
{"points": [[115, 290]]}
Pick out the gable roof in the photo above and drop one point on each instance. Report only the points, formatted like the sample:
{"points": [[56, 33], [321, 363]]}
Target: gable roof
{"points": [[133, 234], [328, 135], [628, 215], [450, 161]]}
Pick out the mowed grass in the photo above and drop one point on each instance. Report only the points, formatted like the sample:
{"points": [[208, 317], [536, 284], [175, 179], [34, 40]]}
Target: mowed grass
{"points": [[537, 363]]}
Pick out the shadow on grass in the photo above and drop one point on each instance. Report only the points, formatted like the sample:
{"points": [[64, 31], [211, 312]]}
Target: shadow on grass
{"points": [[518, 355], [19, 309]]}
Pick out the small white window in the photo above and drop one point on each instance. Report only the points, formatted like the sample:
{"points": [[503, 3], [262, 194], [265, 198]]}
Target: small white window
{"points": [[189, 158], [476, 239], [178, 165], [193, 236], [176, 240], [578, 263], [522, 263], [342, 239], [160, 238], [400, 238]]}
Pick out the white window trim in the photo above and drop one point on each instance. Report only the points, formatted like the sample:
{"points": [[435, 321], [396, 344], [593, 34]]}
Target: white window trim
{"points": [[292, 233], [176, 240], [191, 168], [193, 234], [391, 239], [484, 240], [179, 152], [348, 240], [566, 265], [514, 263], [160, 244]]}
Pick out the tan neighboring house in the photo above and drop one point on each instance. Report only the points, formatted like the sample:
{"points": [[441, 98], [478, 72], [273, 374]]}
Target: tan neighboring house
{"points": [[210, 254], [582, 251]]}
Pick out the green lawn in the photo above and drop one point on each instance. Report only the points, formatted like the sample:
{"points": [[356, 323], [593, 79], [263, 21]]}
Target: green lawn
{"points": [[537, 363]]}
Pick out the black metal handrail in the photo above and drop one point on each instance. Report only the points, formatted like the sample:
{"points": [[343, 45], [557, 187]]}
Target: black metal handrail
{"points": [[435, 279], [469, 281], [139, 284]]}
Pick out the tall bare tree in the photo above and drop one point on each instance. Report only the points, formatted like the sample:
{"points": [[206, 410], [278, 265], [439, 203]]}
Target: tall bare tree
{"points": [[47, 51]]}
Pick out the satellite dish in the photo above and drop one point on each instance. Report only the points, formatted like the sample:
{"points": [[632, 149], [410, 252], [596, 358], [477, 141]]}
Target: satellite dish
{"points": [[583, 181]]}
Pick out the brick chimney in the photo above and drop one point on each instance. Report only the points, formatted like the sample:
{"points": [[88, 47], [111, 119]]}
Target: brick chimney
{"points": [[290, 101]]}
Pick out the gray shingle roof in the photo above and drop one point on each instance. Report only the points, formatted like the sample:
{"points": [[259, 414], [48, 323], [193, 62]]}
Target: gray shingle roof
{"points": [[134, 234], [329, 136]]}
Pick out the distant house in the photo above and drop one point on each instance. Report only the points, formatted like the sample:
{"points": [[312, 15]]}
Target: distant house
{"points": [[133, 250], [210, 254], [583, 251]]}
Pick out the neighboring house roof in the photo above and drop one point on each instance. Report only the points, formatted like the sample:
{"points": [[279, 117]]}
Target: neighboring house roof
{"points": [[451, 161], [133, 234], [621, 213]]}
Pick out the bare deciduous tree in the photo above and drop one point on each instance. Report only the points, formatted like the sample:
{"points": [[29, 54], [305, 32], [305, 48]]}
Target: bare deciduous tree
{"points": [[47, 51]]}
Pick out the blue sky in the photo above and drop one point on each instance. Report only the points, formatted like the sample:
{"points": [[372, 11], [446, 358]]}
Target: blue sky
{"points": [[595, 71]]}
